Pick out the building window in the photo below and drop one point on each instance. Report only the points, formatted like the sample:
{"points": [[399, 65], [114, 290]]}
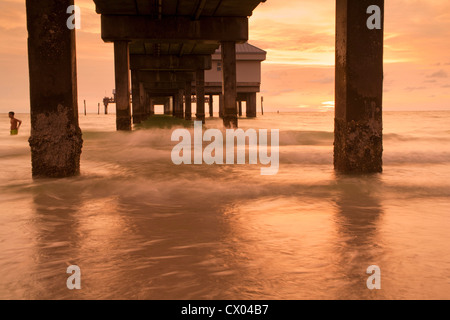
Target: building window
{"points": [[219, 66]]}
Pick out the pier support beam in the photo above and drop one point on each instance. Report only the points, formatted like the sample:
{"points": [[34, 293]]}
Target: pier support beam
{"points": [[211, 106], [122, 75], [188, 100], [143, 101], [55, 140], [251, 105], [229, 84], [152, 108], [221, 105], [358, 145], [167, 107], [138, 105], [175, 28], [170, 62], [148, 101], [178, 104], [181, 97], [200, 92]]}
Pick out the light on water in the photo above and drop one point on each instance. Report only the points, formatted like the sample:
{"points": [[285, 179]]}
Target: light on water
{"points": [[139, 226]]}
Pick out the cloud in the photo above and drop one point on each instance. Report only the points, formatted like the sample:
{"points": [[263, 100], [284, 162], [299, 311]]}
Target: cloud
{"points": [[439, 74], [324, 80], [295, 33], [13, 14], [278, 92], [414, 88]]}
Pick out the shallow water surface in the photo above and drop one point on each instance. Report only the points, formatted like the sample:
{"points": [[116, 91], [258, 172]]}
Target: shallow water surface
{"points": [[140, 227]]}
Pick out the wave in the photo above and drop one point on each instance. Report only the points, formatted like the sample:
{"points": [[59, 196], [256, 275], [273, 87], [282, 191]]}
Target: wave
{"points": [[416, 157], [306, 138], [409, 137]]}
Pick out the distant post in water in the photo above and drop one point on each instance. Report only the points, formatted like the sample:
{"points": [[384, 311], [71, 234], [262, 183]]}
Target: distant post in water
{"points": [[55, 140], [358, 145], [262, 105], [105, 103]]}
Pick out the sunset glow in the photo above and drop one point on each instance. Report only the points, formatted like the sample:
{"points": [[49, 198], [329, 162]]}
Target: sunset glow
{"points": [[299, 39]]}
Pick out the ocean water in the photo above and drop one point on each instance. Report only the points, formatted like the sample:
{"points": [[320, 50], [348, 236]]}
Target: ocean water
{"points": [[140, 227]]}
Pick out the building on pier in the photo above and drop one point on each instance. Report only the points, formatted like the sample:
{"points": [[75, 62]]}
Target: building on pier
{"points": [[248, 77]]}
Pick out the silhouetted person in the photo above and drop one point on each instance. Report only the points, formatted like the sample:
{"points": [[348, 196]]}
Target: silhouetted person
{"points": [[15, 124]]}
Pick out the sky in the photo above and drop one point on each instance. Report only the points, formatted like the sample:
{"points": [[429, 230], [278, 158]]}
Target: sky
{"points": [[298, 74]]}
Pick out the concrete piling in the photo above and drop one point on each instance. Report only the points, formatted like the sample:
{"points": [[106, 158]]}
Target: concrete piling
{"points": [[143, 102], [229, 84], [200, 93], [211, 106], [251, 105], [122, 78], [178, 104], [138, 112], [188, 100], [167, 107], [56, 139], [358, 145], [221, 112]]}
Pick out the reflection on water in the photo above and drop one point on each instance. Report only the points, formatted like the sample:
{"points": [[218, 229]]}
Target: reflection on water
{"points": [[358, 242], [140, 227], [57, 236]]}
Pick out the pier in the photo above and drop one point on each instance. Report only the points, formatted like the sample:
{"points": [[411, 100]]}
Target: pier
{"points": [[162, 50]]}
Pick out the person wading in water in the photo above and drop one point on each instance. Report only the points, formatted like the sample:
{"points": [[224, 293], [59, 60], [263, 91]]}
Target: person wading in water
{"points": [[15, 124]]}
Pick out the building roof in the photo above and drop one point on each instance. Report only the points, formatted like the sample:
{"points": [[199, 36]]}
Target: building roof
{"points": [[242, 48], [244, 51]]}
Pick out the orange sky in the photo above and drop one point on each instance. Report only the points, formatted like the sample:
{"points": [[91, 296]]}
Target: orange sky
{"points": [[299, 38]]}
